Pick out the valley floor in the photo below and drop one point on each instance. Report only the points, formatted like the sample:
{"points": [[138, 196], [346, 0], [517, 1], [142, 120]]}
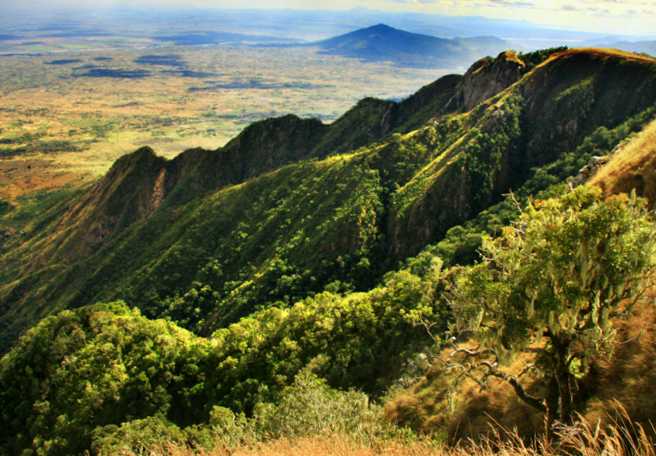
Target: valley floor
{"points": [[72, 119]]}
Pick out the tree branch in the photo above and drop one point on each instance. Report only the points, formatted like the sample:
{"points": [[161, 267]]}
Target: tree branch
{"points": [[519, 389], [512, 196], [633, 338]]}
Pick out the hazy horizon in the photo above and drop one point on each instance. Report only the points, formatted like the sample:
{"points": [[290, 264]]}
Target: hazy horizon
{"points": [[612, 17]]}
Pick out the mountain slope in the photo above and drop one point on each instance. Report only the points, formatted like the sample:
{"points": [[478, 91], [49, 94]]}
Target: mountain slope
{"points": [[292, 250], [633, 166], [330, 222]]}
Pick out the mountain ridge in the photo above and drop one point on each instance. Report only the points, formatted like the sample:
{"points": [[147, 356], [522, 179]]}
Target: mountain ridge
{"points": [[417, 169]]}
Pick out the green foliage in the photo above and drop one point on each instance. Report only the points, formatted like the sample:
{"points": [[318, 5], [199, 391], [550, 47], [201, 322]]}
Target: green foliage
{"points": [[309, 407], [358, 340], [77, 376], [482, 159], [306, 408], [553, 282], [95, 367], [533, 59], [136, 436]]}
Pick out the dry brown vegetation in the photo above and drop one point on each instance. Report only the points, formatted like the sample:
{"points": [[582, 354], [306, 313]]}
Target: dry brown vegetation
{"points": [[631, 167], [621, 385], [618, 439]]}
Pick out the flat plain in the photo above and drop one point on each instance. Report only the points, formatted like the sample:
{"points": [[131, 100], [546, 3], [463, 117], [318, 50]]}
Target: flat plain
{"points": [[65, 117]]}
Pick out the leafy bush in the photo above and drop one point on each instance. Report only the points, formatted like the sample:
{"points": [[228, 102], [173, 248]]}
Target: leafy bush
{"points": [[79, 375], [309, 407], [139, 437], [98, 366]]}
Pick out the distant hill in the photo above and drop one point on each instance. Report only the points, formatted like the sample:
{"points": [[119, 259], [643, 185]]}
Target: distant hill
{"points": [[639, 47], [202, 38], [382, 43]]}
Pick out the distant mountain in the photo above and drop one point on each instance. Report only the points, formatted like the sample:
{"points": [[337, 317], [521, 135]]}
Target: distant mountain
{"points": [[382, 43], [483, 46], [595, 42]]}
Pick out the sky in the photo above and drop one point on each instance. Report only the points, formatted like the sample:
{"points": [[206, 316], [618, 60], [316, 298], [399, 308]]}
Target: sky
{"points": [[631, 17]]}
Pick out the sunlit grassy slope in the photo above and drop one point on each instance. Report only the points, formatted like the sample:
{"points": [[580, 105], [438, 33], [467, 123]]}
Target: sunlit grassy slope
{"points": [[633, 166]]}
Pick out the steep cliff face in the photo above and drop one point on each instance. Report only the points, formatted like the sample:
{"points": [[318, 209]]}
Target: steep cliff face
{"points": [[140, 183], [547, 113], [575, 92], [430, 102], [489, 77], [131, 191]]}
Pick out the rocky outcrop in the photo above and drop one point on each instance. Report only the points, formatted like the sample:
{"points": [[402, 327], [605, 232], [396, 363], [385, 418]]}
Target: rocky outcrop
{"points": [[590, 169], [489, 77]]}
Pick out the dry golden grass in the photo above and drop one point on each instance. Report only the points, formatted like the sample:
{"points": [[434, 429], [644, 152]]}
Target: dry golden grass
{"points": [[631, 167], [626, 380], [605, 52], [580, 440], [334, 446], [616, 388], [427, 405], [27, 174]]}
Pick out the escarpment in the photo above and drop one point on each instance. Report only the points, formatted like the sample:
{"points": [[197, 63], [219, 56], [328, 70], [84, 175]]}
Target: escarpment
{"points": [[293, 207], [138, 184], [547, 113]]}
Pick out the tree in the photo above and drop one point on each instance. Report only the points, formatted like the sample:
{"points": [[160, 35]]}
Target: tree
{"points": [[552, 285]]}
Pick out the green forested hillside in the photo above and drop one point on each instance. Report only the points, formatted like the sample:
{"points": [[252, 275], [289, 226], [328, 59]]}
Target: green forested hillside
{"points": [[83, 372], [339, 222], [297, 245]]}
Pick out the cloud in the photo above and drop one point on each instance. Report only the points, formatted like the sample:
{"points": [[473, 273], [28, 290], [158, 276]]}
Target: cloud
{"points": [[568, 8], [509, 3]]}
